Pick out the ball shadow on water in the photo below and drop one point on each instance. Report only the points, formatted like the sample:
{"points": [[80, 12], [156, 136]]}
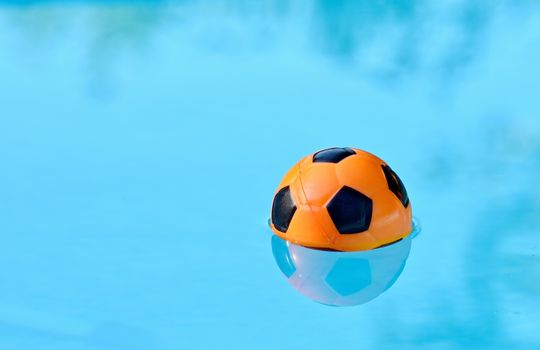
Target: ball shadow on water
{"points": [[341, 278]]}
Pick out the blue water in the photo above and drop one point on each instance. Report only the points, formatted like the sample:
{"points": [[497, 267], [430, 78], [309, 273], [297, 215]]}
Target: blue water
{"points": [[141, 144]]}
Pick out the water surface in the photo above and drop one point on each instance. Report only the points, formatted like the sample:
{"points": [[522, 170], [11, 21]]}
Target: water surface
{"points": [[141, 143]]}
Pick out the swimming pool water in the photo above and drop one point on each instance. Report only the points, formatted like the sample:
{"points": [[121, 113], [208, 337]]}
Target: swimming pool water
{"points": [[141, 144]]}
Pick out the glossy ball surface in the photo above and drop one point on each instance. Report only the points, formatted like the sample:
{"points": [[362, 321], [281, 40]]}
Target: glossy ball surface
{"points": [[341, 199]]}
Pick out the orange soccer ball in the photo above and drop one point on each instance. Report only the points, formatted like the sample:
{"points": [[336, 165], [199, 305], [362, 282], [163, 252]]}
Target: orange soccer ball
{"points": [[341, 199]]}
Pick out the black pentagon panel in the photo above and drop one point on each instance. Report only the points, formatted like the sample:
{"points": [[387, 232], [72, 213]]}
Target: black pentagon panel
{"points": [[350, 211], [332, 155], [395, 185], [283, 209]]}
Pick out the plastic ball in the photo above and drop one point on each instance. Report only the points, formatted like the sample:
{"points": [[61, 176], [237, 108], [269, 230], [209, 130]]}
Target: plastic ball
{"points": [[341, 199], [341, 278]]}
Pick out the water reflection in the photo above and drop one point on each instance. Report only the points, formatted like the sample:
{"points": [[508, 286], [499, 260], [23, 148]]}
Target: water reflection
{"points": [[383, 40], [484, 291], [496, 292], [387, 40], [341, 278]]}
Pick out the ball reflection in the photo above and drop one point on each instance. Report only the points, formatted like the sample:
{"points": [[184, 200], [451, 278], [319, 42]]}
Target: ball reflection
{"points": [[341, 278]]}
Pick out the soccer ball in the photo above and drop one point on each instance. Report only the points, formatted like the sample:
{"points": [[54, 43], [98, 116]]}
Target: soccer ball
{"points": [[341, 199], [341, 278]]}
